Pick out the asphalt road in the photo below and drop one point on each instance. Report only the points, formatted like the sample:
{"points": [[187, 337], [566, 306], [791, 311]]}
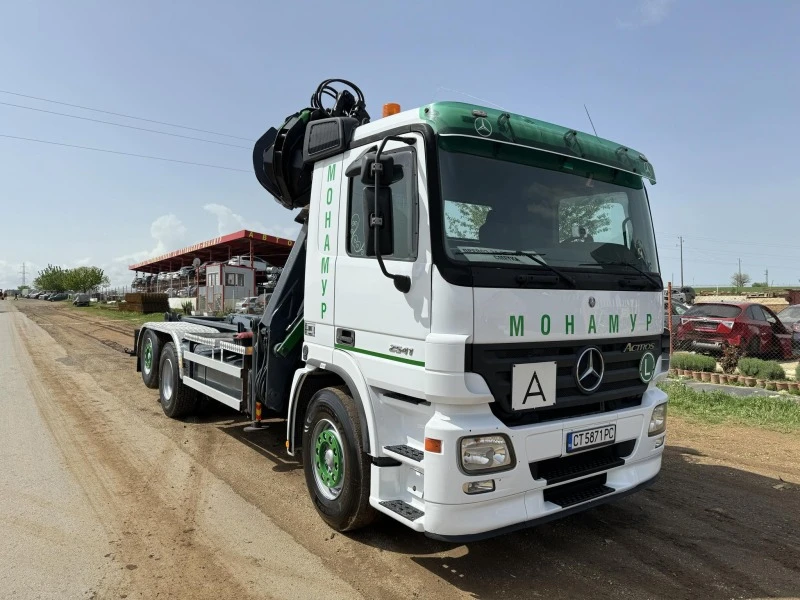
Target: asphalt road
{"points": [[102, 496]]}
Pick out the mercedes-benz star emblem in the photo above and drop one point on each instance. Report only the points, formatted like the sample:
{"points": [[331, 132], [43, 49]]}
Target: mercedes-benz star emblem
{"points": [[592, 301], [483, 127], [589, 370]]}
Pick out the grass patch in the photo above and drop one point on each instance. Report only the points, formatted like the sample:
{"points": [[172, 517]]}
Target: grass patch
{"points": [[110, 312], [778, 414]]}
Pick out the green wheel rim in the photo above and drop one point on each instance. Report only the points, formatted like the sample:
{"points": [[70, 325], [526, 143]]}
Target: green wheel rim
{"points": [[148, 355], [329, 463]]}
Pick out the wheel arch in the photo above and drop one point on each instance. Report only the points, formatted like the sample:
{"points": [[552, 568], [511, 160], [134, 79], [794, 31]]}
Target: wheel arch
{"points": [[308, 382]]}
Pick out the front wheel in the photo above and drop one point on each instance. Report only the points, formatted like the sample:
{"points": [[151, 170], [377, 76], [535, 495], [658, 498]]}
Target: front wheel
{"points": [[337, 470]]}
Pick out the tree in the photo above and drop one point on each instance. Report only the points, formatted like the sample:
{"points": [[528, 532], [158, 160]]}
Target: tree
{"points": [[758, 284], [51, 278], [85, 279], [740, 280]]}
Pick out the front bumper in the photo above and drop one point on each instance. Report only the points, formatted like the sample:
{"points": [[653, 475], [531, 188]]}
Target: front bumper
{"points": [[520, 497]]}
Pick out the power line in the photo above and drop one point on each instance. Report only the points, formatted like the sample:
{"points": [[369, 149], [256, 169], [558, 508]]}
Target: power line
{"points": [[178, 135], [108, 112], [173, 160], [728, 241]]}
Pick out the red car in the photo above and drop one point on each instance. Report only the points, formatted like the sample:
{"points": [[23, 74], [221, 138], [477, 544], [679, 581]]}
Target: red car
{"points": [[752, 327]]}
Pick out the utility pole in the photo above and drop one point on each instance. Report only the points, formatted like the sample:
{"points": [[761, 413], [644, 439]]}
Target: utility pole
{"points": [[740, 275], [766, 277], [681, 239], [22, 272]]}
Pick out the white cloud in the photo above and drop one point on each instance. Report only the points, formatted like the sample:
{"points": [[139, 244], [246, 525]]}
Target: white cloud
{"points": [[83, 262], [168, 233], [228, 222], [647, 12]]}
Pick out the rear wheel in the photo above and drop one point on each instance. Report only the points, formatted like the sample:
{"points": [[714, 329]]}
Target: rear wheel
{"points": [[150, 355], [752, 348], [337, 470], [177, 400]]}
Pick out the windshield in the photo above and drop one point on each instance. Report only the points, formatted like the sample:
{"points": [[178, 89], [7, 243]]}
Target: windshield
{"points": [[720, 311], [567, 212]]}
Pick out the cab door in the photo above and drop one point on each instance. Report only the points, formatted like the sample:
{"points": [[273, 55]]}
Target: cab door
{"points": [[379, 328]]}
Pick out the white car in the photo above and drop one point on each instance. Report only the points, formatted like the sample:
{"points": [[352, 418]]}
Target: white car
{"points": [[244, 261], [246, 305]]}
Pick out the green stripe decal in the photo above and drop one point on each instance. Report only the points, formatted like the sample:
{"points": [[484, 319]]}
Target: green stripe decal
{"points": [[408, 361]]}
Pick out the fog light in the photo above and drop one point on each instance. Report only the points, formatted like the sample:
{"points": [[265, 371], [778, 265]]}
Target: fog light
{"points": [[479, 487], [658, 421], [486, 454], [659, 442]]}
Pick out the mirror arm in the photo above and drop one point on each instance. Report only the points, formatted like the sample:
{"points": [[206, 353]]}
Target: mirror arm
{"points": [[401, 282]]}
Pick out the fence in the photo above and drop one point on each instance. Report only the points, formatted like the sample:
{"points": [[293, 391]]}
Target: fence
{"points": [[746, 339]]}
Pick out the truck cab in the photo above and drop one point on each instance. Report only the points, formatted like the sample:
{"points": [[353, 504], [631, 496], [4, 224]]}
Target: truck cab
{"points": [[476, 326]]}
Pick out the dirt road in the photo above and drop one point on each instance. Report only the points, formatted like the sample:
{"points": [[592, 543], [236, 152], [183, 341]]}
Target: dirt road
{"points": [[104, 497]]}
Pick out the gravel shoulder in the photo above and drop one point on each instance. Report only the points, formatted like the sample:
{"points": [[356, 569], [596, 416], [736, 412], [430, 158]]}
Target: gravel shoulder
{"points": [[150, 507]]}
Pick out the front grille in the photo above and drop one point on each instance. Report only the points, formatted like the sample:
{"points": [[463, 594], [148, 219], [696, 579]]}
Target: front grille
{"points": [[621, 386], [560, 469]]}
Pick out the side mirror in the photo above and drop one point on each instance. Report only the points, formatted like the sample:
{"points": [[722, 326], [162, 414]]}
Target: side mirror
{"points": [[385, 228]]}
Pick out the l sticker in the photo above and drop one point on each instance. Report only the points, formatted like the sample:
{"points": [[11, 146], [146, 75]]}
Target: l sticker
{"points": [[533, 385]]}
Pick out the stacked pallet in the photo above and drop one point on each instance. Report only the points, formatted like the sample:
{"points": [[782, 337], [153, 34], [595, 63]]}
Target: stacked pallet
{"points": [[144, 302]]}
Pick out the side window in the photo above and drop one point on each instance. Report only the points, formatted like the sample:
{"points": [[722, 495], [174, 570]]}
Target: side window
{"points": [[758, 314], [404, 211]]}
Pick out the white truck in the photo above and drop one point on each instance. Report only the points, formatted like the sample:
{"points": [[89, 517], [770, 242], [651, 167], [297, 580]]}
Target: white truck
{"points": [[469, 330]]}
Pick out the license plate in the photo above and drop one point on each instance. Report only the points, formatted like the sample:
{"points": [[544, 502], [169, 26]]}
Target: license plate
{"points": [[591, 438]]}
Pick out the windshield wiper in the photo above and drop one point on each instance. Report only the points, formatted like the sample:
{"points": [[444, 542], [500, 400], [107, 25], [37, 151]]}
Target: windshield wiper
{"points": [[622, 263], [532, 255]]}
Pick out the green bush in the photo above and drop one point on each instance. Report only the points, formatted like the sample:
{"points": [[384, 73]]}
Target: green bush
{"points": [[693, 362], [750, 366], [705, 363], [680, 360], [797, 373], [771, 371]]}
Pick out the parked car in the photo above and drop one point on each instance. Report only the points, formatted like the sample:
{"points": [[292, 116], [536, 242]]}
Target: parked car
{"points": [[688, 294], [246, 305], [81, 300], [790, 317], [244, 261], [678, 308], [752, 327], [58, 297]]}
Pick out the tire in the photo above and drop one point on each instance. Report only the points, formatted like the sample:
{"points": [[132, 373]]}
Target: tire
{"points": [[151, 353], [177, 400], [337, 470], [752, 348]]}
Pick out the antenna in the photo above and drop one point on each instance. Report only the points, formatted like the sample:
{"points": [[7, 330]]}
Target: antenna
{"points": [[590, 120]]}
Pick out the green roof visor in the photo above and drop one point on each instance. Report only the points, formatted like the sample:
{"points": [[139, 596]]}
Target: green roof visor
{"points": [[456, 118]]}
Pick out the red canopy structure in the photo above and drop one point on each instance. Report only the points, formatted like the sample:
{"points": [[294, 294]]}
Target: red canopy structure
{"points": [[270, 248]]}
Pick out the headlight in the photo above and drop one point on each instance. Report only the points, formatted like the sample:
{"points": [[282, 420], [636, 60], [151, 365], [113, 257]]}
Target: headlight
{"points": [[658, 422], [486, 454]]}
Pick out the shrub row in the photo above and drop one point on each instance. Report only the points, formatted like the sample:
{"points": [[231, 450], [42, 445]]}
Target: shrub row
{"points": [[751, 367]]}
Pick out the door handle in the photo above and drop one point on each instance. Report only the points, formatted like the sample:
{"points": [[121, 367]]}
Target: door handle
{"points": [[346, 337]]}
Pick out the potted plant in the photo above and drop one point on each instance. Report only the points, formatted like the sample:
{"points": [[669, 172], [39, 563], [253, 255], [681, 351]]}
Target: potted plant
{"points": [[714, 377], [771, 386], [782, 386], [760, 382], [794, 387], [750, 381], [723, 378]]}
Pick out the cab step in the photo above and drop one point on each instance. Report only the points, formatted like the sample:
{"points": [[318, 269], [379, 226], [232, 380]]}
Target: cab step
{"points": [[406, 452], [404, 509]]}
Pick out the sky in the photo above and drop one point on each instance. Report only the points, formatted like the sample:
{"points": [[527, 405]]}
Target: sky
{"points": [[709, 90]]}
